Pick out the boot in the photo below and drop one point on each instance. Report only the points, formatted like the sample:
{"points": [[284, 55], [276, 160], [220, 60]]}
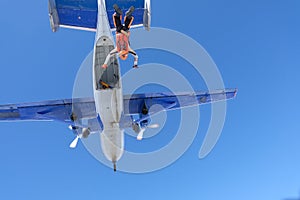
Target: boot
{"points": [[118, 10], [129, 11]]}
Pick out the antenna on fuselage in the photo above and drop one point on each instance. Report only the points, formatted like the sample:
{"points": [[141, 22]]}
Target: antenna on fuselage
{"points": [[115, 166]]}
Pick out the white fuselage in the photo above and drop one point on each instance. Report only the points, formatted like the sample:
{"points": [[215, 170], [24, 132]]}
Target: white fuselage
{"points": [[108, 101]]}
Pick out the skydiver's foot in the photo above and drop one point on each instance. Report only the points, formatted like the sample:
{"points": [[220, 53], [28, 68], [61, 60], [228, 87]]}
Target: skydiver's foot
{"points": [[129, 11], [135, 66], [117, 9]]}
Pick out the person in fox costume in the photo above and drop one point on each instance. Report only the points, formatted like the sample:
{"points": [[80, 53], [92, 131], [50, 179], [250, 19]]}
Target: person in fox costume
{"points": [[122, 36]]}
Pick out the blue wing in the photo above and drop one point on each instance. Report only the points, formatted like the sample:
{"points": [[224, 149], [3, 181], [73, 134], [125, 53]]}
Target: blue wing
{"points": [[82, 14], [68, 109], [136, 103], [57, 110]]}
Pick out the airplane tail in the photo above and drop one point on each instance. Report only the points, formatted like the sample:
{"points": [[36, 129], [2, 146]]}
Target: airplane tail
{"points": [[82, 14]]}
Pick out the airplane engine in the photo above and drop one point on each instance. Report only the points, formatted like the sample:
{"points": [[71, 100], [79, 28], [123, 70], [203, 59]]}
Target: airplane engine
{"points": [[112, 144]]}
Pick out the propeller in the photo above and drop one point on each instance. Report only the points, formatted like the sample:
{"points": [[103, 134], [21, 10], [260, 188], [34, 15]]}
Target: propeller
{"points": [[85, 132], [141, 133], [153, 126], [75, 142]]}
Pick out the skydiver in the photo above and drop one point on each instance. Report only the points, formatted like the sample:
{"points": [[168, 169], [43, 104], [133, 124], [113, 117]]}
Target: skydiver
{"points": [[122, 36]]}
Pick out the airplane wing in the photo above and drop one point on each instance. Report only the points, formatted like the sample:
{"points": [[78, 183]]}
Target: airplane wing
{"points": [[137, 103], [57, 110], [62, 110], [82, 14]]}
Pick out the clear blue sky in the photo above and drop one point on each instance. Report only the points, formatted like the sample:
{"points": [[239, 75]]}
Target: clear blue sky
{"points": [[256, 46]]}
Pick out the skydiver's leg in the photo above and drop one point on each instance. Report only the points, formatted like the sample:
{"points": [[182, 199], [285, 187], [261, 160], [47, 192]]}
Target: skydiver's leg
{"points": [[128, 18], [117, 17], [128, 22], [117, 22]]}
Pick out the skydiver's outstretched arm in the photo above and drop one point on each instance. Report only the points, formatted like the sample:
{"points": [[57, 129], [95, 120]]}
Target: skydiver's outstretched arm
{"points": [[112, 53], [136, 57]]}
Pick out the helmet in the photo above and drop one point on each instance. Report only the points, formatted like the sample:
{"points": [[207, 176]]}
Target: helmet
{"points": [[123, 54]]}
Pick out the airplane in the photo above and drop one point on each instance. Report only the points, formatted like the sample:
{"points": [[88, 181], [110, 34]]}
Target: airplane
{"points": [[108, 113]]}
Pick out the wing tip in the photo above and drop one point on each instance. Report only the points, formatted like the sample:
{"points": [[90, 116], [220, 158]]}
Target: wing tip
{"points": [[235, 92]]}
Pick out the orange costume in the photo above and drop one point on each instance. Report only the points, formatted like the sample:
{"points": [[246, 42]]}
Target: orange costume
{"points": [[122, 37]]}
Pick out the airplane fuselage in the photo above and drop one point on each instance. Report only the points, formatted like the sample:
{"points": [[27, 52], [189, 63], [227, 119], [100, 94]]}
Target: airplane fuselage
{"points": [[107, 88]]}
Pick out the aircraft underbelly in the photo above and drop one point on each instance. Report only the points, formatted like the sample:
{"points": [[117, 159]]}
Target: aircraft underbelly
{"points": [[112, 143], [109, 106], [108, 100], [108, 90]]}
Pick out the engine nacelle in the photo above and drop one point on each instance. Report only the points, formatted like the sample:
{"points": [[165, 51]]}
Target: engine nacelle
{"points": [[86, 132]]}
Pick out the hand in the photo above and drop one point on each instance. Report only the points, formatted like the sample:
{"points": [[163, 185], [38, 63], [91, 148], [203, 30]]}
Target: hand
{"points": [[104, 66], [135, 66], [125, 33]]}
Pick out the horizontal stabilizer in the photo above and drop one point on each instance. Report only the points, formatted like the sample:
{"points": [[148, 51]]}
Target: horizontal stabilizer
{"points": [[82, 14]]}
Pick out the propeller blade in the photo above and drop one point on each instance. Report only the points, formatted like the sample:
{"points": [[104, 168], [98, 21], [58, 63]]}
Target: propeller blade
{"points": [[74, 143], [140, 135], [153, 126]]}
